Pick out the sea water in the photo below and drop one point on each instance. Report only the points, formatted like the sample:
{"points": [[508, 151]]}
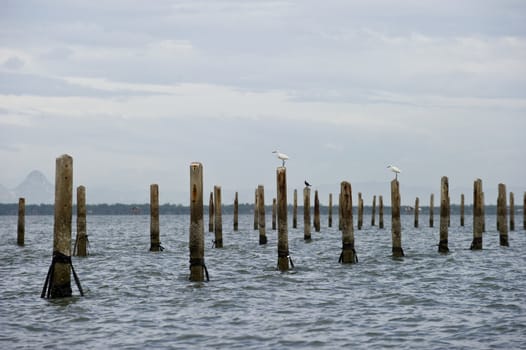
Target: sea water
{"points": [[137, 299]]}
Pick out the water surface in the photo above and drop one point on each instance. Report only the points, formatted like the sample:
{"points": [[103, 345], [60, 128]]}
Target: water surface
{"points": [[136, 299]]}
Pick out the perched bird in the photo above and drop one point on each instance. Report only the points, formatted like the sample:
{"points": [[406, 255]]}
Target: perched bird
{"points": [[307, 184], [394, 170], [281, 156]]}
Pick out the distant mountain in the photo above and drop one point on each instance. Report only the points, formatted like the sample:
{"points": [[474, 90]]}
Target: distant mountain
{"points": [[36, 188]]}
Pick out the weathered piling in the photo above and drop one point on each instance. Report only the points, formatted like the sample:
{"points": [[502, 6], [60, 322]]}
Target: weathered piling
{"points": [[462, 209], [198, 269], [512, 212], [155, 240], [283, 239], [295, 210], [524, 211], [61, 283], [502, 209], [273, 213], [373, 212], [261, 214], [396, 226], [330, 210], [256, 220], [340, 224], [381, 212], [497, 214], [218, 219], [211, 213], [348, 254], [306, 214], [431, 209], [476, 244], [316, 212], [81, 242], [58, 280], [417, 200], [360, 211], [444, 215], [236, 213], [21, 226]]}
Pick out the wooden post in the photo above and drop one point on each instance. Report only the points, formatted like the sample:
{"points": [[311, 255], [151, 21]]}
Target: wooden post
{"points": [[360, 211], [196, 238], [261, 214], [236, 213], [81, 242], [476, 244], [21, 227], [330, 210], [512, 212], [348, 254], [497, 214], [417, 202], [524, 211], [58, 280], [61, 276], [396, 226], [431, 204], [256, 221], [283, 239], [462, 209], [316, 212], [381, 212], [295, 210], [273, 213], [502, 212], [306, 214], [211, 213], [444, 215], [218, 220], [340, 223], [373, 212], [155, 240]]}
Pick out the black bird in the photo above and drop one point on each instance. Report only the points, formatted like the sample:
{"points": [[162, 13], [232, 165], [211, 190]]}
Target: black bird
{"points": [[307, 184]]}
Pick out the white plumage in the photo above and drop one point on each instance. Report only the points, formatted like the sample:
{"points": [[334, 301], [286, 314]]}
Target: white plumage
{"points": [[395, 170], [281, 156]]}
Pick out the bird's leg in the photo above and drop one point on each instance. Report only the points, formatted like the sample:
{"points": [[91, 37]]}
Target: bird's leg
{"points": [[283, 163]]}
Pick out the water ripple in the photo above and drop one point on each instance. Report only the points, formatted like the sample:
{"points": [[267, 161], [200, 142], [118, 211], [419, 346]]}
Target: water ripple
{"points": [[137, 299]]}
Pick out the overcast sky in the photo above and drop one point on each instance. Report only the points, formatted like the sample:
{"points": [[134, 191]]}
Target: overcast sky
{"points": [[135, 91]]}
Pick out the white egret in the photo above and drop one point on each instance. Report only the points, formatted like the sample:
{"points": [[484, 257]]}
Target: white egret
{"points": [[281, 156], [395, 170]]}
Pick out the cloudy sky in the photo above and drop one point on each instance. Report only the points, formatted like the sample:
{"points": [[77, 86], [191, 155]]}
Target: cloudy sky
{"points": [[137, 90]]}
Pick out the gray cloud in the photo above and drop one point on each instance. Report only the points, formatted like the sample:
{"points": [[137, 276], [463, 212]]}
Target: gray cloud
{"points": [[410, 46], [345, 88], [31, 84], [13, 63]]}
